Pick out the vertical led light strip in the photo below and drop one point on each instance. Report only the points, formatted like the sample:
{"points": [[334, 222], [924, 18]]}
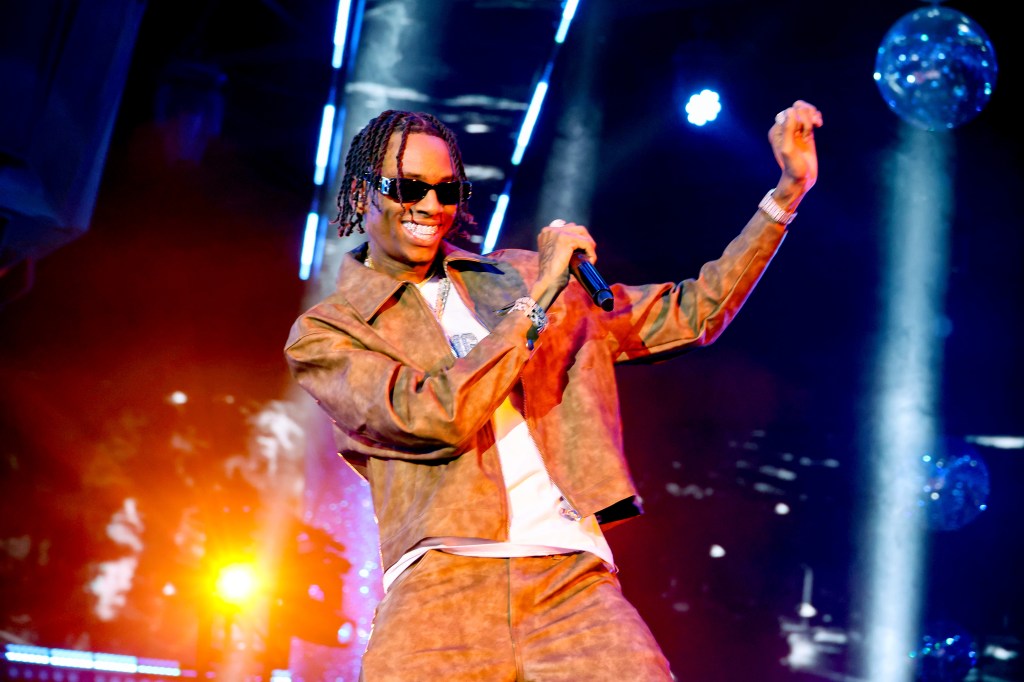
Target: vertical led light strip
{"points": [[341, 33], [532, 112], [323, 149], [311, 235], [529, 121], [568, 12]]}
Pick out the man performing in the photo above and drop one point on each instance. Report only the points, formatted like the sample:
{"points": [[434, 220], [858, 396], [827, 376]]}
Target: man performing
{"points": [[476, 395]]}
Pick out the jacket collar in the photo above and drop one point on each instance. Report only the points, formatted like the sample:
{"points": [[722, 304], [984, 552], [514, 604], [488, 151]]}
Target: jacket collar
{"points": [[367, 289]]}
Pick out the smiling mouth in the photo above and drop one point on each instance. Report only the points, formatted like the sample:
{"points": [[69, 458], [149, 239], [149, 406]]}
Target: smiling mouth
{"points": [[420, 231]]}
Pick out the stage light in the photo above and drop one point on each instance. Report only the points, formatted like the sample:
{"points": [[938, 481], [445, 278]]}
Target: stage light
{"points": [[998, 442], [703, 107], [308, 245], [81, 660], [26, 653], [532, 112], [1000, 653], [323, 148], [237, 583], [341, 33], [115, 663], [567, 14], [70, 658], [803, 653], [495, 225], [529, 121], [332, 121], [806, 608]]}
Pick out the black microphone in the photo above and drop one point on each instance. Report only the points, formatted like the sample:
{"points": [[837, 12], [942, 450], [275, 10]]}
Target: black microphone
{"points": [[584, 271]]}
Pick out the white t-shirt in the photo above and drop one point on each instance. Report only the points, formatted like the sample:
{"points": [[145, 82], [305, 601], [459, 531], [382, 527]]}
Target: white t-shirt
{"points": [[542, 522]]}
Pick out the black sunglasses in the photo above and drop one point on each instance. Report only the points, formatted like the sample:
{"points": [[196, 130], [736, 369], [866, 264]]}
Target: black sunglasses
{"points": [[408, 190]]}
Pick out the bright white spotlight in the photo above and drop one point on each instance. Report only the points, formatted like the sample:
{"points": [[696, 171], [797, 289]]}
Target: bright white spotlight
{"points": [[703, 107], [237, 583]]}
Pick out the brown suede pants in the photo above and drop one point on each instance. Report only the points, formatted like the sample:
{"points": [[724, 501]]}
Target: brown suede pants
{"points": [[532, 619]]}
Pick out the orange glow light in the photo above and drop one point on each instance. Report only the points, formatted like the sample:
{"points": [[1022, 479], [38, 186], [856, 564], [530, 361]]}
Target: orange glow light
{"points": [[237, 583]]}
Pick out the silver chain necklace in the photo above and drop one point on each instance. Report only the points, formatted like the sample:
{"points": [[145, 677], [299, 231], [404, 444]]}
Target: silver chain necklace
{"points": [[443, 288]]}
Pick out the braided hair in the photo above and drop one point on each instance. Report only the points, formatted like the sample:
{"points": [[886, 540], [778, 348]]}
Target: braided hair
{"points": [[366, 157]]}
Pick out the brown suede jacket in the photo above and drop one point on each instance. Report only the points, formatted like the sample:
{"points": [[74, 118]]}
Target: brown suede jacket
{"points": [[415, 422]]}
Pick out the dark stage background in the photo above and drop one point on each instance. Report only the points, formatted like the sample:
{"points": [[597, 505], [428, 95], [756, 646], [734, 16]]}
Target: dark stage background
{"points": [[184, 278]]}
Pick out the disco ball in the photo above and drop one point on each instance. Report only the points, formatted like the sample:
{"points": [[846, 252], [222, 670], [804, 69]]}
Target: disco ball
{"points": [[956, 485], [936, 68], [946, 654]]}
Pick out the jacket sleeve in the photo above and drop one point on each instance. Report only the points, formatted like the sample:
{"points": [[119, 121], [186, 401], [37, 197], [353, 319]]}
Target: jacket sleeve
{"points": [[383, 402], [657, 321]]}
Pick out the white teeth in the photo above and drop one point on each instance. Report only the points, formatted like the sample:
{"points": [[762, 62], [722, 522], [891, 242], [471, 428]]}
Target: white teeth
{"points": [[421, 230]]}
